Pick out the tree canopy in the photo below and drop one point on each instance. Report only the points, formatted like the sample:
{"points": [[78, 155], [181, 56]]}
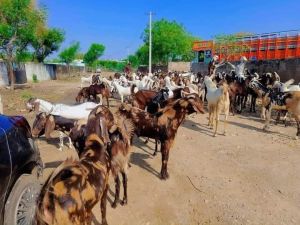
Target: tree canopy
{"points": [[170, 42], [69, 54], [95, 52], [46, 42], [20, 26]]}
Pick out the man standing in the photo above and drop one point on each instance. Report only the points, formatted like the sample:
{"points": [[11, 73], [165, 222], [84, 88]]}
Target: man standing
{"points": [[127, 69]]}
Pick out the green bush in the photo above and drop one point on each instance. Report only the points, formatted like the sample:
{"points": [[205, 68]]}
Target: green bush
{"points": [[34, 78], [26, 95], [116, 66]]}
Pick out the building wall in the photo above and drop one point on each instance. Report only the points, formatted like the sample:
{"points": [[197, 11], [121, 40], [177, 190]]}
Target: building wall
{"points": [[286, 68], [25, 72], [179, 66], [3, 75], [42, 71]]}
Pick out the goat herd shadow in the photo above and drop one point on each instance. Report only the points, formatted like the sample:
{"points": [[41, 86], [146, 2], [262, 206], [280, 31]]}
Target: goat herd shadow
{"points": [[204, 129]]}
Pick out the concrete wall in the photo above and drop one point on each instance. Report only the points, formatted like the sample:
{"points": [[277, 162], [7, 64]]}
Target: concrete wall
{"points": [[42, 71], [25, 72], [3, 75], [287, 68], [179, 66], [61, 71]]}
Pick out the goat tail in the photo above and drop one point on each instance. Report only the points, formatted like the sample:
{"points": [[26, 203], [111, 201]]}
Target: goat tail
{"points": [[132, 89]]}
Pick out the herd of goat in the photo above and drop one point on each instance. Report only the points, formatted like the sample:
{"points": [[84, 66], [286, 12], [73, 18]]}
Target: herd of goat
{"points": [[152, 106]]}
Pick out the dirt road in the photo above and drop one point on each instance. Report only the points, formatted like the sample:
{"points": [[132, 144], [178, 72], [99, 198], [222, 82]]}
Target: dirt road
{"points": [[246, 177]]}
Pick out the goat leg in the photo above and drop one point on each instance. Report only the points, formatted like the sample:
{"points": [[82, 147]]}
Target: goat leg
{"points": [[117, 193], [70, 143], [156, 143], [298, 129], [277, 118], [103, 206], [146, 141], [124, 178], [268, 117], [165, 157], [61, 141]]}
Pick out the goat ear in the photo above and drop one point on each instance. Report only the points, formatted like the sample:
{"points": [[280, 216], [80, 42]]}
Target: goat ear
{"points": [[113, 128]]}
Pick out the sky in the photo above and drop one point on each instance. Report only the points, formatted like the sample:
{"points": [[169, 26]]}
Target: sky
{"points": [[119, 24]]}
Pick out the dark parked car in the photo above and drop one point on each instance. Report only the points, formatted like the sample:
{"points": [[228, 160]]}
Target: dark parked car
{"points": [[20, 167]]}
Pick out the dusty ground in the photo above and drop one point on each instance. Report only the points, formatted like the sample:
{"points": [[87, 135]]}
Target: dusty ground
{"points": [[246, 177]]}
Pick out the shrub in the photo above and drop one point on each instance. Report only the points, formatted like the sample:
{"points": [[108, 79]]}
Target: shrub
{"points": [[34, 78]]}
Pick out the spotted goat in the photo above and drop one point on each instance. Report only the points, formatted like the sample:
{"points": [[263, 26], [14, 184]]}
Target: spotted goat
{"points": [[75, 187]]}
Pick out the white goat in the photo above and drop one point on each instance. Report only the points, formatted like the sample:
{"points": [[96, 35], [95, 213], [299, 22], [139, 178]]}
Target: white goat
{"points": [[122, 91], [218, 100], [88, 80]]}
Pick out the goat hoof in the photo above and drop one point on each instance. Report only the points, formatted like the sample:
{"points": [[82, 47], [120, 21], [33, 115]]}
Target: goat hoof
{"points": [[296, 138], [129, 165], [124, 202], [60, 149], [154, 154], [215, 135], [165, 176], [225, 134], [104, 223], [114, 205]]}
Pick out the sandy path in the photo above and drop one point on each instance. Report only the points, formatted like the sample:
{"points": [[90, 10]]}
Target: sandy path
{"points": [[246, 177]]}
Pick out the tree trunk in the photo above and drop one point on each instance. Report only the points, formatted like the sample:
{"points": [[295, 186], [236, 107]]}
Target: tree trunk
{"points": [[11, 74]]}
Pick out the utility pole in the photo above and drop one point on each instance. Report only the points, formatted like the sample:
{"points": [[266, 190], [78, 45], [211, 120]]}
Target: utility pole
{"points": [[150, 42]]}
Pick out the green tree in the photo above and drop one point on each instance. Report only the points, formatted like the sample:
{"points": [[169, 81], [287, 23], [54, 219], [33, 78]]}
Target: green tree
{"points": [[69, 54], [95, 52], [46, 42], [18, 23], [79, 55], [134, 60], [170, 42]]}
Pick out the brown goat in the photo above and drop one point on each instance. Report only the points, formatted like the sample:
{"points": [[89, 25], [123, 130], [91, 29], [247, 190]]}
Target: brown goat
{"points": [[75, 187], [83, 94], [292, 103], [46, 124], [164, 125], [116, 134], [142, 98], [100, 90], [119, 151]]}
